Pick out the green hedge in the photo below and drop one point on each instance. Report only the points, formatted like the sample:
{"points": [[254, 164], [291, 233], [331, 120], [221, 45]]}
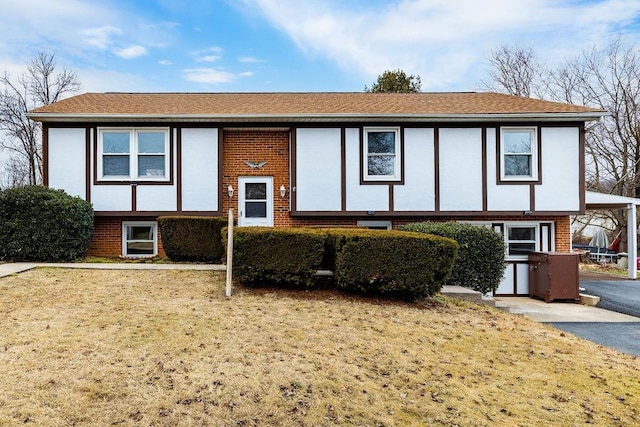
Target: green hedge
{"points": [[42, 224], [284, 256], [480, 265], [192, 238], [394, 263]]}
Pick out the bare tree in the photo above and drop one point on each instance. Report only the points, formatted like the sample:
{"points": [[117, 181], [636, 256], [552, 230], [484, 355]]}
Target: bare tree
{"points": [[514, 70], [21, 136], [607, 78]]}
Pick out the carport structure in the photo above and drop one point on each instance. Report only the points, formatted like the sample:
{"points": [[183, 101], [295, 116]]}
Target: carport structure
{"points": [[600, 201]]}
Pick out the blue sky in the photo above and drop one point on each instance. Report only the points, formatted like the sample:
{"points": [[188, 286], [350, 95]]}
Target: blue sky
{"points": [[297, 45]]}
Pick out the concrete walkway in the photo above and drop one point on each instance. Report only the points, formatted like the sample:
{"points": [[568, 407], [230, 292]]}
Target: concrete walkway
{"points": [[18, 267]]}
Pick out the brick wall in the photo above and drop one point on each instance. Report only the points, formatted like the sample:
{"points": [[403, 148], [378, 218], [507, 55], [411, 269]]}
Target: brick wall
{"points": [[107, 237], [258, 146]]}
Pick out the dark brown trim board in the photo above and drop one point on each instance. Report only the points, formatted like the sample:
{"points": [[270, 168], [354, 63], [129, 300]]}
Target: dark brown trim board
{"points": [[87, 165], [485, 178], [436, 167], [134, 197], [221, 190], [45, 155], [512, 215], [155, 213], [343, 169], [178, 177], [582, 185]]}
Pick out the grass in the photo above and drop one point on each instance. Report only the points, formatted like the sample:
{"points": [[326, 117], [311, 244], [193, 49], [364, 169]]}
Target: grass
{"points": [[609, 269], [165, 348]]}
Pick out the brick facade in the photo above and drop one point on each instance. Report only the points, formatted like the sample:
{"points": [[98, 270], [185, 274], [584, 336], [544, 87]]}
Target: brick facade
{"points": [[107, 236]]}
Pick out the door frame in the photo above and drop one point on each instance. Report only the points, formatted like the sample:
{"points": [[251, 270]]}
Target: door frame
{"points": [[247, 222]]}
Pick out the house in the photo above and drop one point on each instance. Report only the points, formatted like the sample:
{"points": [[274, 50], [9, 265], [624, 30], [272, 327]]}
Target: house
{"points": [[322, 159]]}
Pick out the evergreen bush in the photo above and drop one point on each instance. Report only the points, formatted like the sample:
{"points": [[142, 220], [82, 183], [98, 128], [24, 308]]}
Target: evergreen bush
{"points": [[192, 238], [43, 224], [480, 264]]}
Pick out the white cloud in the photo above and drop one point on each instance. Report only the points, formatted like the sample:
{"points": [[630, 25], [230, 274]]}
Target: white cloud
{"points": [[131, 52], [100, 37], [249, 60], [165, 62], [212, 75], [442, 40], [208, 58], [210, 54]]}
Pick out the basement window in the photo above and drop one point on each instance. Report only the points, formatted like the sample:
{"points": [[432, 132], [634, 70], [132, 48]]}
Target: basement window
{"points": [[139, 239]]}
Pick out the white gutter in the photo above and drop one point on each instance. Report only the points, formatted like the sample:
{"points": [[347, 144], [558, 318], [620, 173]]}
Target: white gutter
{"points": [[68, 117]]}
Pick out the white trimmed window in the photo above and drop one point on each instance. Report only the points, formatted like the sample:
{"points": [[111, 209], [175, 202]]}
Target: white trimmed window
{"points": [[521, 239], [139, 238], [133, 154], [381, 159], [519, 154]]}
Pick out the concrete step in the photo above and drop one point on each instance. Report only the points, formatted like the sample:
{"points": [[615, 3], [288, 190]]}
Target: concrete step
{"points": [[467, 295]]}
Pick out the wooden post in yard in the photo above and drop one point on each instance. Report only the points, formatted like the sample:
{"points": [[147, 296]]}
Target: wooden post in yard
{"points": [[229, 253]]}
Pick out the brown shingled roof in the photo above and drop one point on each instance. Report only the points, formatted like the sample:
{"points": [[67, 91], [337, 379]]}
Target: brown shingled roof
{"points": [[300, 105]]}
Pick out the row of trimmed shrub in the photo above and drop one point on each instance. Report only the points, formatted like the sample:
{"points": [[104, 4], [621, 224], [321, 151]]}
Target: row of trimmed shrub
{"points": [[480, 264], [192, 238], [394, 263], [42, 224]]}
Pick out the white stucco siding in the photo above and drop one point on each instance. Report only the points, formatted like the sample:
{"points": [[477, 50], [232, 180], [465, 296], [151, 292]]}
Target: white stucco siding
{"points": [[560, 157], [318, 170], [418, 191], [156, 198], [200, 169], [111, 197], [361, 197], [508, 197], [67, 160], [460, 169]]}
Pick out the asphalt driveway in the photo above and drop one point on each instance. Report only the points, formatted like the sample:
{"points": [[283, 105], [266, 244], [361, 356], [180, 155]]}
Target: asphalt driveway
{"points": [[617, 295], [622, 296]]}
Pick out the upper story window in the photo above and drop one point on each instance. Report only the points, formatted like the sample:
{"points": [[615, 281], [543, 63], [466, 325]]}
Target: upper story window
{"points": [[381, 154], [519, 154], [133, 154]]}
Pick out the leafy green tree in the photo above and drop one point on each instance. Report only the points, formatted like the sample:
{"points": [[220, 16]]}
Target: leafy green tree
{"points": [[395, 81]]}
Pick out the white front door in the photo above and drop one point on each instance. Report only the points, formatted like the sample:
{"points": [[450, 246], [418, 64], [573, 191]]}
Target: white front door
{"points": [[255, 201]]}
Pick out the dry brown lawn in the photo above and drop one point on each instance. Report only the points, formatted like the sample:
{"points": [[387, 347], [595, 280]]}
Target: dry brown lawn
{"points": [[88, 347]]}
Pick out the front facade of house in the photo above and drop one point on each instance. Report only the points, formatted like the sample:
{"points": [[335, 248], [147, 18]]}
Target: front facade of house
{"points": [[322, 159]]}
